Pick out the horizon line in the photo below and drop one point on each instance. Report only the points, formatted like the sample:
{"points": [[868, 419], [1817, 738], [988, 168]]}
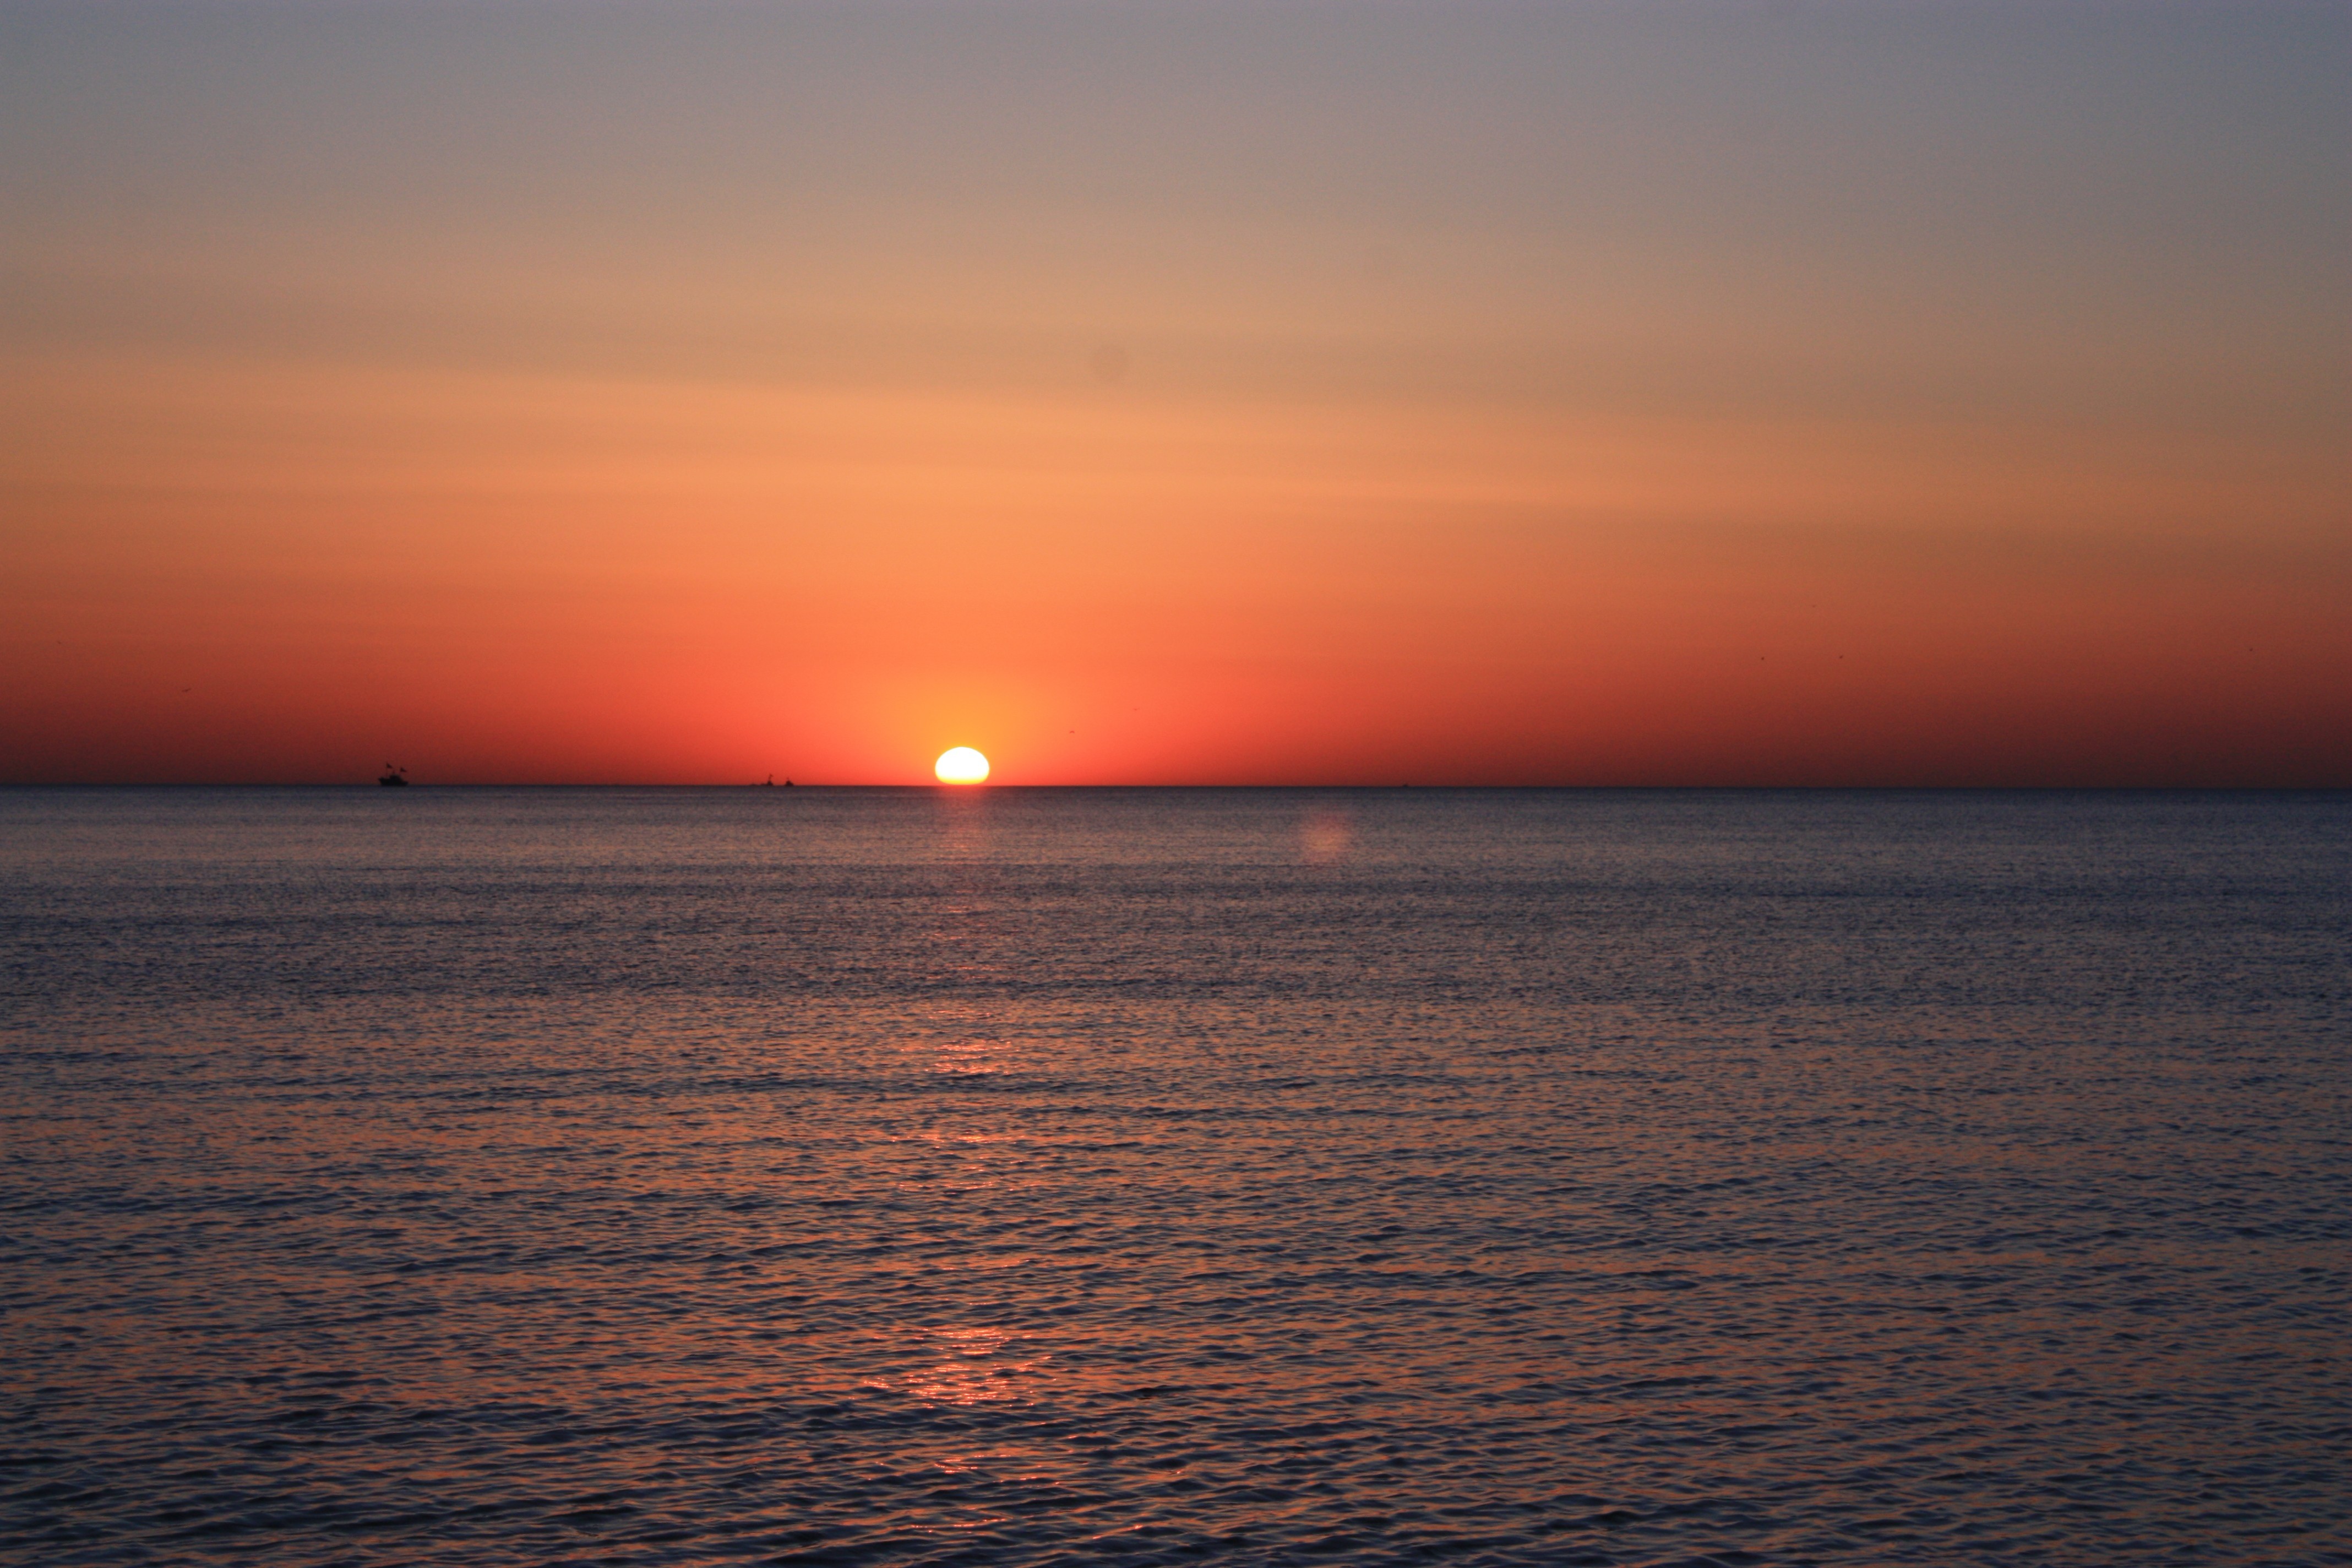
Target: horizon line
{"points": [[1384, 788]]}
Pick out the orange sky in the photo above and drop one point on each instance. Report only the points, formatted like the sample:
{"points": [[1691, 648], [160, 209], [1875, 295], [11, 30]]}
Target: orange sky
{"points": [[1176, 395]]}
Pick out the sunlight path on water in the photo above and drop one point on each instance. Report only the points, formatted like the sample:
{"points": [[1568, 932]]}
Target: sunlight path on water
{"points": [[1022, 1176]]}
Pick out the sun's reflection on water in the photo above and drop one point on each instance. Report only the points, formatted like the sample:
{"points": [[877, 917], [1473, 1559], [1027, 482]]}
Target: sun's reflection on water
{"points": [[952, 1046], [1327, 835], [973, 1056], [964, 1040], [978, 1365]]}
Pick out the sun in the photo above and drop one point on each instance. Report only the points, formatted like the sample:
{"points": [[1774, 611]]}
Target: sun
{"points": [[961, 765]]}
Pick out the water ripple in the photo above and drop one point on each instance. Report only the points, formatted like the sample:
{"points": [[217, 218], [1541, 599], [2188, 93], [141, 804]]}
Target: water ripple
{"points": [[1057, 1177]]}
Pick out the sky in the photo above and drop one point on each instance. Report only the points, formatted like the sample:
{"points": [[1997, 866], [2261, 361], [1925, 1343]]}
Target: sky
{"points": [[1177, 393]]}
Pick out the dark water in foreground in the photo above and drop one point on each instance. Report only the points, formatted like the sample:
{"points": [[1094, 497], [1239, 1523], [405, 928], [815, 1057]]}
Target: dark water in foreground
{"points": [[682, 1177]]}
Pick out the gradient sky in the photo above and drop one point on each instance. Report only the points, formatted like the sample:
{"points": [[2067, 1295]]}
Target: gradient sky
{"points": [[1177, 393]]}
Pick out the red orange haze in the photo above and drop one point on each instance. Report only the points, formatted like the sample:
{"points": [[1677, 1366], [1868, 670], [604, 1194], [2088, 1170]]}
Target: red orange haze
{"points": [[1177, 394]]}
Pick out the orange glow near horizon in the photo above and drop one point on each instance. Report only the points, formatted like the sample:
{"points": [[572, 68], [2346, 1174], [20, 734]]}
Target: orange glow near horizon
{"points": [[1634, 429]]}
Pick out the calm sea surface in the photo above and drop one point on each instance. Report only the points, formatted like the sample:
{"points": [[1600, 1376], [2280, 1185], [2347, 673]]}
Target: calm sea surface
{"points": [[485, 1176]]}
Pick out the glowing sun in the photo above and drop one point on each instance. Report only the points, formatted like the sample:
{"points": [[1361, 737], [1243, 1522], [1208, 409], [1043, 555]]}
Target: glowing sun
{"points": [[961, 765]]}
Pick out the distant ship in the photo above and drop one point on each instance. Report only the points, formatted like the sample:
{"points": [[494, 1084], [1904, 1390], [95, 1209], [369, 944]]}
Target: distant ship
{"points": [[394, 778]]}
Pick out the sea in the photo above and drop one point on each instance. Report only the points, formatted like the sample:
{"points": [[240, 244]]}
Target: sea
{"points": [[1064, 1176]]}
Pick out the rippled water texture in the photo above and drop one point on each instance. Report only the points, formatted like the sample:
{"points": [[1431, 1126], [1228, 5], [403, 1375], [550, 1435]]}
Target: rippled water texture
{"points": [[483, 1177]]}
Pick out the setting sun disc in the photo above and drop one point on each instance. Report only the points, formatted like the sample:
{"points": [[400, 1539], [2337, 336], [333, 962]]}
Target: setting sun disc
{"points": [[961, 765]]}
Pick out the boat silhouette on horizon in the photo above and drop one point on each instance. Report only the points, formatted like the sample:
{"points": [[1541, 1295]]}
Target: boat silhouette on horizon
{"points": [[394, 778]]}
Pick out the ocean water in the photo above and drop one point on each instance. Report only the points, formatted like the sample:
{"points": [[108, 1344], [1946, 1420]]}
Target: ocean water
{"points": [[485, 1177]]}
